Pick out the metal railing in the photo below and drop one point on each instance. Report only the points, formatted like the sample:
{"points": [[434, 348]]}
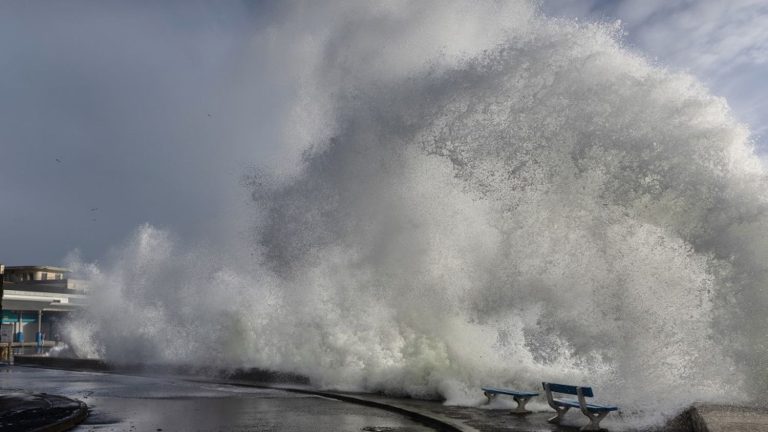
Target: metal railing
{"points": [[9, 349]]}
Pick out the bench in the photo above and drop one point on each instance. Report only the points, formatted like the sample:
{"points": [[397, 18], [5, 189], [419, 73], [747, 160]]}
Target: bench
{"points": [[593, 411], [521, 398]]}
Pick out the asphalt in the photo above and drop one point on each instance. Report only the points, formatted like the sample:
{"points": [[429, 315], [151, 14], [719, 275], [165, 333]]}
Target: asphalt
{"points": [[39, 412]]}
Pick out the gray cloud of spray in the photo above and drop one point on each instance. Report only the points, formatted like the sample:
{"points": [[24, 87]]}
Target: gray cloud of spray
{"points": [[504, 201]]}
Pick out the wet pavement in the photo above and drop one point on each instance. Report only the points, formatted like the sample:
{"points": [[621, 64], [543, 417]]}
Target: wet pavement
{"points": [[194, 403], [496, 417], [134, 404]]}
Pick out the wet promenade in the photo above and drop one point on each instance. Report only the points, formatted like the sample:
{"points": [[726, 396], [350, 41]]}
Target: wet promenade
{"points": [[134, 404], [184, 403]]}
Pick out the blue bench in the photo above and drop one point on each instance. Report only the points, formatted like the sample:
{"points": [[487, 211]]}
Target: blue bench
{"points": [[594, 412], [521, 398]]}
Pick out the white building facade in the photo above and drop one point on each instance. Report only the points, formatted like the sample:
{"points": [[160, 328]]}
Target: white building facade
{"points": [[35, 302]]}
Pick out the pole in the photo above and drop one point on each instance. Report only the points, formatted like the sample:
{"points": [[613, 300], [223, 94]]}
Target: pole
{"points": [[2, 272], [39, 334], [5, 352]]}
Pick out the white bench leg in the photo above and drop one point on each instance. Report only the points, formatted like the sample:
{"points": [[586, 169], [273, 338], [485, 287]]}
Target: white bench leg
{"points": [[594, 421], [560, 413], [490, 397], [521, 401]]}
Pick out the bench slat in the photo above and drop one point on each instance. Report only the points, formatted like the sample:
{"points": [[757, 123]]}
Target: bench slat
{"points": [[568, 389], [508, 392], [590, 406]]}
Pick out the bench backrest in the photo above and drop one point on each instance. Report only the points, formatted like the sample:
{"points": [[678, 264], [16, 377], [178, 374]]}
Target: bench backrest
{"points": [[568, 389]]}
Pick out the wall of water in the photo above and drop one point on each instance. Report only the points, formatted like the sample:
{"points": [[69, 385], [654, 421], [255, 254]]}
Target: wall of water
{"points": [[541, 204]]}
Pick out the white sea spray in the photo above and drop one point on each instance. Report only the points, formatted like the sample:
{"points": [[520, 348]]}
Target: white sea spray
{"points": [[538, 203]]}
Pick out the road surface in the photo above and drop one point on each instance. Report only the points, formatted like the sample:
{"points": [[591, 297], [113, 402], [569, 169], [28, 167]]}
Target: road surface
{"points": [[137, 404]]}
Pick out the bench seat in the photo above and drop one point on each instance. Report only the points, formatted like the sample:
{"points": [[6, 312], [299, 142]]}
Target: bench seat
{"points": [[521, 397], [509, 392], [593, 411], [590, 406]]}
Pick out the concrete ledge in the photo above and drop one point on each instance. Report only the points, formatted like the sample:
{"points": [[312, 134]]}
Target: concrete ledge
{"points": [[728, 418], [40, 412], [75, 418], [436, 421]]}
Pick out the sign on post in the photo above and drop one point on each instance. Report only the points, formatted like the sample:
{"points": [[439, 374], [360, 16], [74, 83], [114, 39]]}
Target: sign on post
{"points": [[6, 333]]}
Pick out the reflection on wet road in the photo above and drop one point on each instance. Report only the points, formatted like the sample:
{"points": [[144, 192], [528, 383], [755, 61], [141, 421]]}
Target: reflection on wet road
{"points": [[136, 404]]}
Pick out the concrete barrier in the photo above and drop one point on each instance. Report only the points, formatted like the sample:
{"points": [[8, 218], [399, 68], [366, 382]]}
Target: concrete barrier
{"points": [[251, 374], [62, 363], [728, 418]]}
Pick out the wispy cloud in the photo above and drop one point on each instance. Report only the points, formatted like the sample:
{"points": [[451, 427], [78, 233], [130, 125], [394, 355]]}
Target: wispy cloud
{"points": [[713, 37]]}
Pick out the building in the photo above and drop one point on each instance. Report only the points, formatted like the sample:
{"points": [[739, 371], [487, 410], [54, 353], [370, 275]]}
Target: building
{"points": [[35, 301]]}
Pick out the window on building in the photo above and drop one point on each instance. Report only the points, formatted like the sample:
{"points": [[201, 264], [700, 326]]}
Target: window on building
{"points": [[43, 276]]}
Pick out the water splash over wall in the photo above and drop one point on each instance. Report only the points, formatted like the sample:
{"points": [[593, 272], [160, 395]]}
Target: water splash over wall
{"points": [[549, 208]]}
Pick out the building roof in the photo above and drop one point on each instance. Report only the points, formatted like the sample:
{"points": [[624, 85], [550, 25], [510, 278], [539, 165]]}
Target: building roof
{"points": [[36, 268]]}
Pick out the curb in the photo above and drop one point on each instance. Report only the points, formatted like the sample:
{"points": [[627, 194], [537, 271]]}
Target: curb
{"points": [[429, 419], [40, 412], [68, 422]]}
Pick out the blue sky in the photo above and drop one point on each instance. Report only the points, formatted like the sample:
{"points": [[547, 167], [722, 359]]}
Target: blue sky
{"points": [[115, 114]]}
